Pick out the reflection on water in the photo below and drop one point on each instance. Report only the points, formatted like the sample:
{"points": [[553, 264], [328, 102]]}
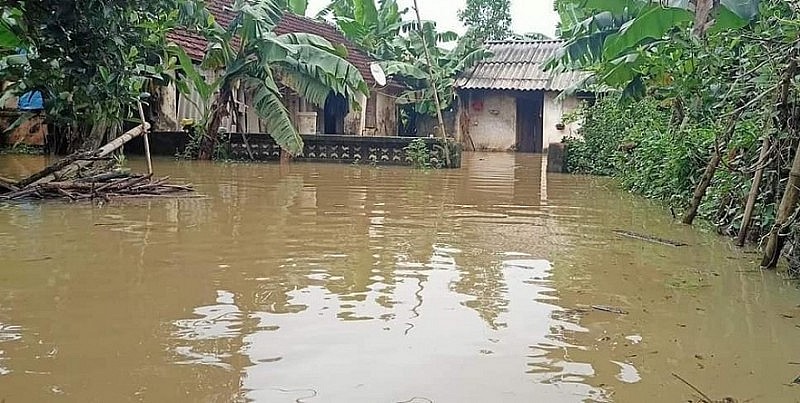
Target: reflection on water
{"points": [[339, 283], [207, 332], [7, 333]]}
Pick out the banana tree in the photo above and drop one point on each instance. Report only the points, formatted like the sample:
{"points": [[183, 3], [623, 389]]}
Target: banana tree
{"points": [[612, 37], [247, 56], [446, 66], [298, 7], [374, 28]]}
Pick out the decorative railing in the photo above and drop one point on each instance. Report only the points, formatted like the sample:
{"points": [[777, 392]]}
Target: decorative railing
{"points": [[318, 148]]}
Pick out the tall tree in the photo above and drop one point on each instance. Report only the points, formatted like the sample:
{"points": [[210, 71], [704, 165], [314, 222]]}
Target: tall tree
{"points": [[487, 19], [91, 59]]}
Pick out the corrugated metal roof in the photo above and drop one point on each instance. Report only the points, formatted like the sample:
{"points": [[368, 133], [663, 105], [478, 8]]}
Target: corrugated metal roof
{"points": [[519, 65]]}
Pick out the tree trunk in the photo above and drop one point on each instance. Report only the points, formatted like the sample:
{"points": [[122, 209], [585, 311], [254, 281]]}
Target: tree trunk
{"points": [[702, 13], [700, 191], [708, 176], [777, 236], [753, 197], [219, 111], [783, 99]]}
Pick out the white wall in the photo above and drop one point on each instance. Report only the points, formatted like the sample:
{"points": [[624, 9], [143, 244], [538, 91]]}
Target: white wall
{"points": [[554, 111], [385, 115], [494, 126]]}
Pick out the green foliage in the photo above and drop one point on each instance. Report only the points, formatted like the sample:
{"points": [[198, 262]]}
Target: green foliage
{"points": [[92, 61], [675, 99], [487, 19], [375, 29], [298, 7], [615, 39], [420, 155], [384, 32], [249, 57]]}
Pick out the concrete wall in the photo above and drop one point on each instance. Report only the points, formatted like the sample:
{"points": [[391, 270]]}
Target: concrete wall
{"points": [[494, 127], [385, 112], [554, 111], [428, 126], [385, 115], [491, 127]]}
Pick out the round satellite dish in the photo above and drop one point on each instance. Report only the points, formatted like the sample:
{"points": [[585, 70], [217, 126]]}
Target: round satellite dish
{"points": [[378, 74]]}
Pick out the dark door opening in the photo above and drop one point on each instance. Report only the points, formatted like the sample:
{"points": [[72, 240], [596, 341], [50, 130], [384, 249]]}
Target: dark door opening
{"points": [[336, 109], [530, 123]]}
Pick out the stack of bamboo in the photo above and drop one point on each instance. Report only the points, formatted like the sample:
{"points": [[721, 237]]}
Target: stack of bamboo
{"points": [[90, 175], [105, 186]]}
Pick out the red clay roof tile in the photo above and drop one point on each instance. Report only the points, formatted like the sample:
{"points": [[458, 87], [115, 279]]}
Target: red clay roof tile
{"points": [[195, 45]]}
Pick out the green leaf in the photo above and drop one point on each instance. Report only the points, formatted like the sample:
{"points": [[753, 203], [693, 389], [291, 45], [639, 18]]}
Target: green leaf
{"points": [[307, 86], [298, 7], [276, 117], [395, 68], [726, 20], [190, 70], [8, 40], [365, 12], [653, 24], [747, 10]]}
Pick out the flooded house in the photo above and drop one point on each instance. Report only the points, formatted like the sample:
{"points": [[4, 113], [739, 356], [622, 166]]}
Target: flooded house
{"points": [[376, 115], [510, 102]]}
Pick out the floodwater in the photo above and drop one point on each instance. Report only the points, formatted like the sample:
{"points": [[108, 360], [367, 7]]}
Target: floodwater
{"points": [[340, 283]]}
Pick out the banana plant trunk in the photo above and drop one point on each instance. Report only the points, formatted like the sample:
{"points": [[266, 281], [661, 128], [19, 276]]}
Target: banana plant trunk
{"points": [[219, 111]]}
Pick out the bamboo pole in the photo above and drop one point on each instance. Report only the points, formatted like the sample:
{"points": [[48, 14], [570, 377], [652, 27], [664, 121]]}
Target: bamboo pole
{"points": [[146, 137], [433, 86], [103, 151]]}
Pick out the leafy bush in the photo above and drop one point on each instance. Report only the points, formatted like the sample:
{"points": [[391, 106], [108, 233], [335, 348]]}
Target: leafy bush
{"points": [[638, 144]]}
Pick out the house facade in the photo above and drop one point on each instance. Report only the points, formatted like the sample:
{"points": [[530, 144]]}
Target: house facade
{"points": [[376, 115], [508, 102]]}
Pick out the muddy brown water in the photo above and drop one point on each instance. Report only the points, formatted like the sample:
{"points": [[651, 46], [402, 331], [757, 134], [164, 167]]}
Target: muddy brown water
{"points": [[339, 283]]}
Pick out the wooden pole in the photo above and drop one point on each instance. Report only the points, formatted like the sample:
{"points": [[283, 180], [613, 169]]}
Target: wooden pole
{"points": [[146, 139], [433, 85]]}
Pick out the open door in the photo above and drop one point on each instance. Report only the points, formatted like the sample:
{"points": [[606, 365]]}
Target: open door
{"points": [[530, 123]]}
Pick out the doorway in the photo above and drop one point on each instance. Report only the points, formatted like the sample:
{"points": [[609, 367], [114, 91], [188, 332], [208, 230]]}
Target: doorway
{"points": [[336, 108], [530, 123]]}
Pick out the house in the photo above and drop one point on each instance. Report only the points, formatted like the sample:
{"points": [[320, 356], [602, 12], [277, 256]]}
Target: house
{"points": [[374, 116], [508, 102]]}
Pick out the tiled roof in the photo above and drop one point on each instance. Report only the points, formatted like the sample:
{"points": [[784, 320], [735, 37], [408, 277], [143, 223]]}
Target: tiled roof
{"points": [[195, 45], [519, 65]]}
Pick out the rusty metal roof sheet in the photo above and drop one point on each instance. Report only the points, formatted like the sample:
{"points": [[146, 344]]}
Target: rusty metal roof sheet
{"points": [[519, 66]]}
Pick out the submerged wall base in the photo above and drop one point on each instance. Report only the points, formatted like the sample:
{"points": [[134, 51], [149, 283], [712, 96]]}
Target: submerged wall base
{"points": [[318, 148]]}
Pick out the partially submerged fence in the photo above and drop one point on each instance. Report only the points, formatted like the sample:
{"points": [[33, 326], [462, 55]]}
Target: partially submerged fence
{"points": [[318, 148]]}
